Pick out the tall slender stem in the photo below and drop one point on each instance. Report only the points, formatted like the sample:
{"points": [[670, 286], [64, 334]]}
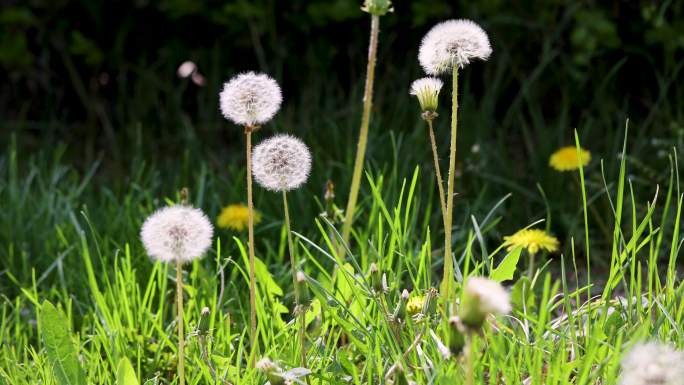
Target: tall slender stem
{"points": [[363, 134], [181, 334], [293, 266], [250, 222], [530, 266], [470, 360], [438, 172], [448, 262]]}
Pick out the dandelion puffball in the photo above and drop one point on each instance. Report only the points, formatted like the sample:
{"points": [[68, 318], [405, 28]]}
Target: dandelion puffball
{"points": [[453, 43], [177, 234], [250, 99], [427, 91], [482, 297], [281, 163], [652, 363]]}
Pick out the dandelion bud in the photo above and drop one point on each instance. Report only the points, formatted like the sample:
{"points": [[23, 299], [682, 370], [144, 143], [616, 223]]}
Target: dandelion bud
{"points": [[377, 7], [400, 313], [302, 288], [481, 297], [250, 99], [456, 336], [177, 234], [430, 306], [271, 370], [453, 43], [281, 163], [376, 278], [652, 363], [427, 92], [203, 326]]}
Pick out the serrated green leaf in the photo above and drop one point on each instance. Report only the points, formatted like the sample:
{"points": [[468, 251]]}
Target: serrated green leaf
{"points": [[61, 351], [506, 268], [125, 374]]}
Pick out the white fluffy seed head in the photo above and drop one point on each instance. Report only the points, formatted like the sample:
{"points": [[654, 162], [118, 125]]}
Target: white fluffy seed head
{"points": [[453, 43], [493, 298], [250, 99], [281, 163], [652, 363], [427, 90], [177, 233]]}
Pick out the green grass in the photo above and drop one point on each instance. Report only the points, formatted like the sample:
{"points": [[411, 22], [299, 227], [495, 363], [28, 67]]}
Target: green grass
{"points": [[75, 243]]}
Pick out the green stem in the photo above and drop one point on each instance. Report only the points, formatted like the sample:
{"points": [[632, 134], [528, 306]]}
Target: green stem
{"points": [[250, 222], [530, 266], [293, 268], [470, 360], [363, 134], [438, 171], [181, 334], [448, 262]]}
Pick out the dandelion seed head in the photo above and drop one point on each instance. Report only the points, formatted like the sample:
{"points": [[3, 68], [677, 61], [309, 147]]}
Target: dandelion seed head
{"points": [[250, 99], [652, 364], [491, 296], [453, 43], [427, 90], [236, 217], [176, 233], [533, 240], [281, 163], [567, 159]]}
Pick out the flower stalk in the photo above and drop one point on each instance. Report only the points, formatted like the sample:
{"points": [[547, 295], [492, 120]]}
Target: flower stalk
{"points": [[295, 281], [447, 281], [429, 117], [363, 134], [250, 230]]}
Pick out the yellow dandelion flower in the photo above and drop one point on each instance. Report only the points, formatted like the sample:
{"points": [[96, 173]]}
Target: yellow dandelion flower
{"points": [[532, 240], [415, 305], [236, 217], [566, 159]]}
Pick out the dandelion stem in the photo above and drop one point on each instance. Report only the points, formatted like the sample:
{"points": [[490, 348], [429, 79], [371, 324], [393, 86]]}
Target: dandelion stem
{"points": [[250, 223], [448, 262], [363, 134], [293, 266], [181, 335], [438, 172], [470, 359], [530, 266]]}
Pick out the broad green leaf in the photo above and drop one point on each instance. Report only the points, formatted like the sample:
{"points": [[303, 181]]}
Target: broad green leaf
{"points": [[125, 375], [506, 268], [60, 349]]}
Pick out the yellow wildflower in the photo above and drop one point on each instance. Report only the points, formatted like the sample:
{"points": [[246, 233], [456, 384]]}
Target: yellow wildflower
{"points": [[532, 240], [415, 305], [236, 217], [566, 159]]}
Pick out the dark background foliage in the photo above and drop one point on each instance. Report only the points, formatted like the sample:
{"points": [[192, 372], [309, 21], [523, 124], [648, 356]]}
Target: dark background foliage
{"points": [[92, 85]]}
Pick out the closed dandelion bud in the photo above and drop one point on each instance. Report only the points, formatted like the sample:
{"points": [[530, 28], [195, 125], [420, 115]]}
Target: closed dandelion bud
{"points": [[400, 313], [456, 340], [302, 288], [377, 7], [430, 306], [481, 297], [376, 278], [271, 370], [203, 326], [427, 92], [652, 364]]}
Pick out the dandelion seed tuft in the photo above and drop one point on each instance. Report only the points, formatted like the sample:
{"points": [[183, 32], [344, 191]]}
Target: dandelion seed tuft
{"points": [[652, 363], [567, 159], [281, 163], [427, 90], [532, 240], [236, 217], [177, 234], [482, 297], [453, 43], [250, 99]]}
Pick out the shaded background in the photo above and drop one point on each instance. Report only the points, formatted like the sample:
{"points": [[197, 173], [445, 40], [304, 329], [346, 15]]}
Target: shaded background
{"points": [[95, 119]]}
